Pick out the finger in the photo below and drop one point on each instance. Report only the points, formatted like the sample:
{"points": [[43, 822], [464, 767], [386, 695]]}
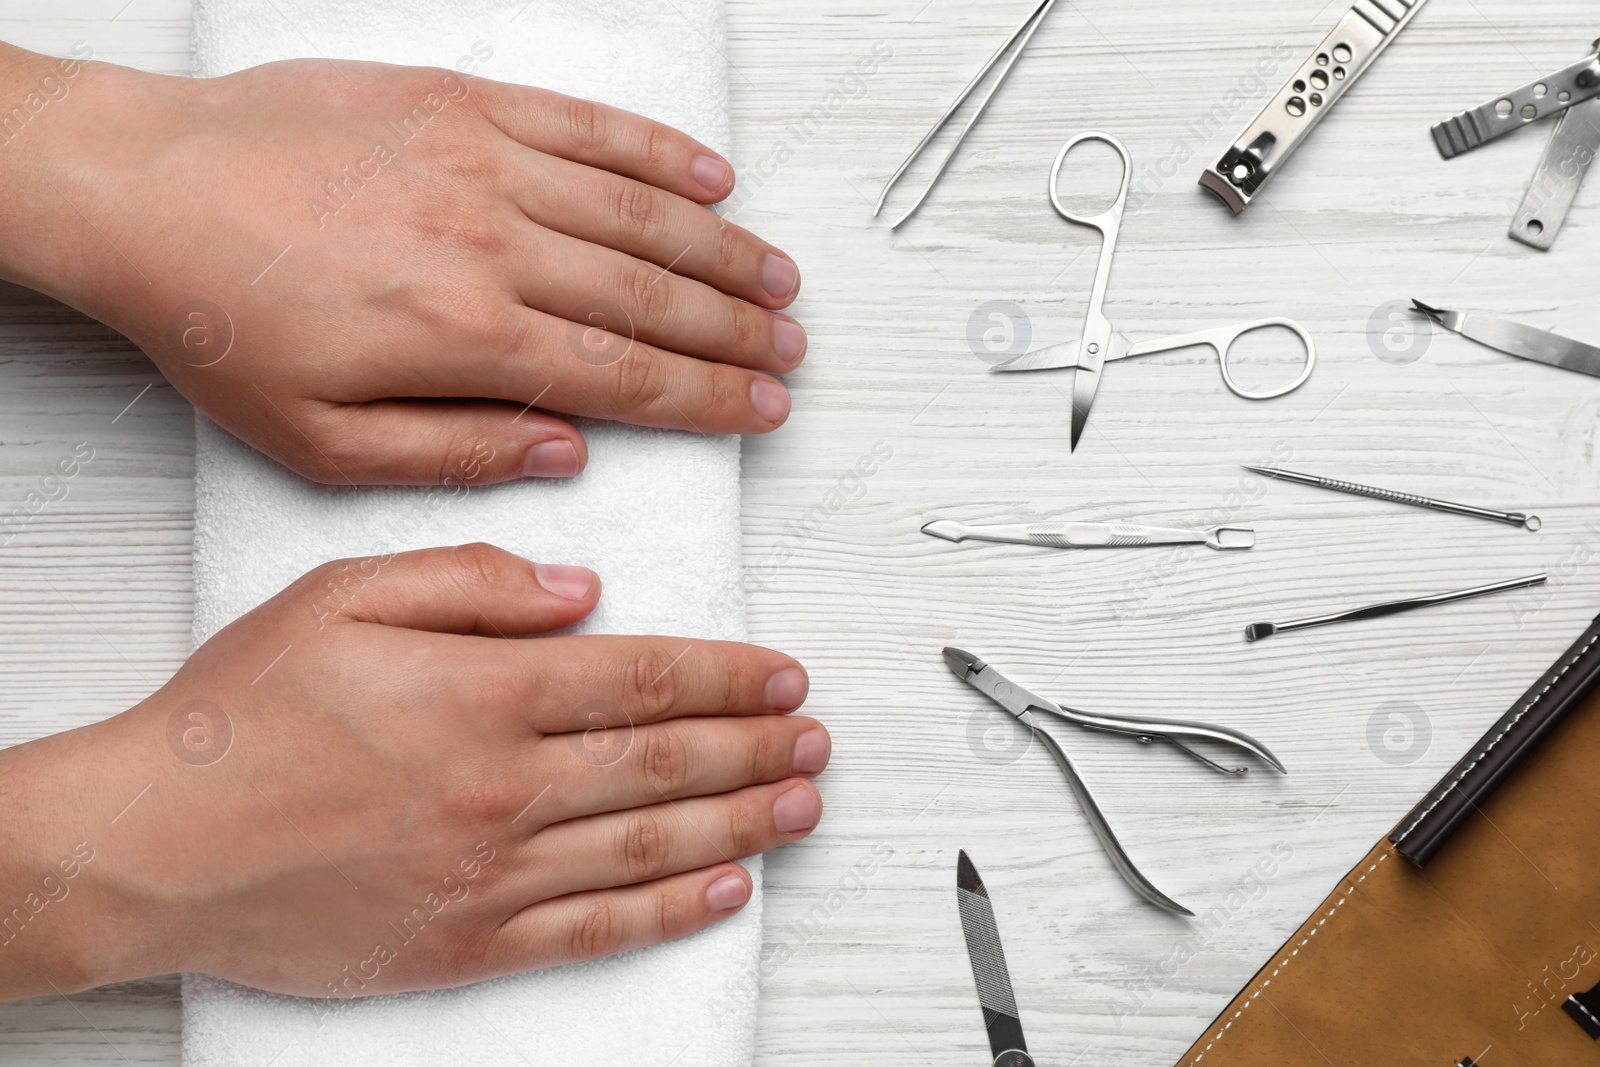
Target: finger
{"points": [[586, 926], [469, 589], [644, 844], [656, 226], [587, 369], [445, 443], [606, 137], [618, 769], [651, 679], [665, 309]]}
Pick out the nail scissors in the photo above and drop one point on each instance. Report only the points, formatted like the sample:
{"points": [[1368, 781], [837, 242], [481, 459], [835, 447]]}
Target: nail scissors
{"points": [[1021, 705], [1100, 345]]}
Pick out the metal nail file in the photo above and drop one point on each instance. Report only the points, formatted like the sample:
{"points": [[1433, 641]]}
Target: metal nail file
{"points": [[1288, 118], [1091, 534], [1538, 99], [988, 958], [1567, 155], [1516, 339]]}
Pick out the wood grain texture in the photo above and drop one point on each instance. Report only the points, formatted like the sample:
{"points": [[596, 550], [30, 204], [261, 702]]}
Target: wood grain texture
{"points": [[897, 421]]}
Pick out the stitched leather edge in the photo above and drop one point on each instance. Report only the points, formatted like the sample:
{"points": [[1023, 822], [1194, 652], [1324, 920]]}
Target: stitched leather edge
{"points": [[1288, 959]]}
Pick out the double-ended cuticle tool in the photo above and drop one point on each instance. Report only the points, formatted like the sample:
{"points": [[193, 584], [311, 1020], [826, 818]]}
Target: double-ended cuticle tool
{"points": [[1022, 704], [1091, 534], [1514, 518], [1258, 630]]}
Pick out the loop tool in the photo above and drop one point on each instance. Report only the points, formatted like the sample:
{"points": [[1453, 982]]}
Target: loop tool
{"points": [[1100, 345], [1022, 705]]}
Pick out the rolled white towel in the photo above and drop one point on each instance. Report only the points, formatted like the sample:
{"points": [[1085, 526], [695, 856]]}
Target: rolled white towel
{"points": [[656, 513]]}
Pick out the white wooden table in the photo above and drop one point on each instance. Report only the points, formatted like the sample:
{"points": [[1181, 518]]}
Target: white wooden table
{"points": [[96, 589]]}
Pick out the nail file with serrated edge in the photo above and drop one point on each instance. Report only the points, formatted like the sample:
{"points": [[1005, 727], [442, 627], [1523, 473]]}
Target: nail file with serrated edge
{"points": [[989, 972]]}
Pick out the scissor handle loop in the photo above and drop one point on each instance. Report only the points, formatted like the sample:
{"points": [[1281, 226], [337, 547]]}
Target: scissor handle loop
{"points": [[1227, 335], [1108, 219]]}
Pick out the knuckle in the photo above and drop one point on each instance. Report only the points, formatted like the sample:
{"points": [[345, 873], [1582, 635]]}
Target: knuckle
{"points": [[762, 758], [744, 328], [644, 846], [730, 248], [727, 391], [657, 145], [641, 382], [665, 761], [748, 832], [478, 566], [652, 298], [596, 932], [653, 681], [587, 123], [637, 210]]}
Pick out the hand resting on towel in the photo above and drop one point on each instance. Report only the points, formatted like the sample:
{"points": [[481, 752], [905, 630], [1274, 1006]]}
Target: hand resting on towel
{"points": [[377, 782], [374, 273]]}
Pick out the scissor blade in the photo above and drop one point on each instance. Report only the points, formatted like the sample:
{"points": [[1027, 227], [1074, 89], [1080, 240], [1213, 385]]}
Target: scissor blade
{"points": [[989, 974], [1084, 386], [1051, 357]]}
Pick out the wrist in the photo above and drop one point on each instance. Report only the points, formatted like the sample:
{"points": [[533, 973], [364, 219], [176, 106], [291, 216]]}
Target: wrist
{"points": [[62, 924], [67, 127]]}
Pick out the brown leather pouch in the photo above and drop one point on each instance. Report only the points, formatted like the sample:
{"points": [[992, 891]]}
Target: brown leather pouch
{"points": [[1471, 935]]}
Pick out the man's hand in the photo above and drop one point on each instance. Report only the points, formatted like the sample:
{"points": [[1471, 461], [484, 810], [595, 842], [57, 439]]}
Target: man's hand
{"points": [[368, 784], [382, 274]]}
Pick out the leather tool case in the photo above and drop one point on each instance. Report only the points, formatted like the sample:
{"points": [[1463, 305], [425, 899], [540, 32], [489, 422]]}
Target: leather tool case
{"points": [[1471, 934]]}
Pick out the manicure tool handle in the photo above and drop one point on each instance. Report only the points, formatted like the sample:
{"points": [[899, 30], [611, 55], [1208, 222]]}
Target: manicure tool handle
{"points": [[1538, 99], [1097, 820], [1395, 607], [1173, 731], [1221, 340], [1531, 343], [1121, 535], [1567, 155], [1513, 518]]}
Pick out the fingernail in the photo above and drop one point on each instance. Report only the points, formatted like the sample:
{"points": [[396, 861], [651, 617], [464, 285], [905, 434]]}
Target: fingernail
{"points": [[788, 340], [572, 583], [778, 276], [786, 690], [552, 459], [770, 399], [811, 751], [727, 893], [712, 173], [798, 809]]}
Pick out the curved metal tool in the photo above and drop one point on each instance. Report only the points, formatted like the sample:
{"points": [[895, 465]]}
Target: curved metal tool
{"points": [[1021, 704]]}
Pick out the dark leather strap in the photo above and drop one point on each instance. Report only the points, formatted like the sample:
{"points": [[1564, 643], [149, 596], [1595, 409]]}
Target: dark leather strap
{"points": [[1562, 689]]}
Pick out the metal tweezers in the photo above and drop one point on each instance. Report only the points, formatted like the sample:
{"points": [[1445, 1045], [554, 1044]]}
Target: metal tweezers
{"points": [[1019, 42], [1021, 705]]}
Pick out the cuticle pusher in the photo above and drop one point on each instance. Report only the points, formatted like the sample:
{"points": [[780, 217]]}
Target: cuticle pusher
{"points": [[1514, 518], [1258, 630], [1057, 534]]}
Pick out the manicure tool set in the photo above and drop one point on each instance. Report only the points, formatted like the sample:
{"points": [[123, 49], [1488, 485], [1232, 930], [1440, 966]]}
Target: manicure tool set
{"points": [[1248, 161]]}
